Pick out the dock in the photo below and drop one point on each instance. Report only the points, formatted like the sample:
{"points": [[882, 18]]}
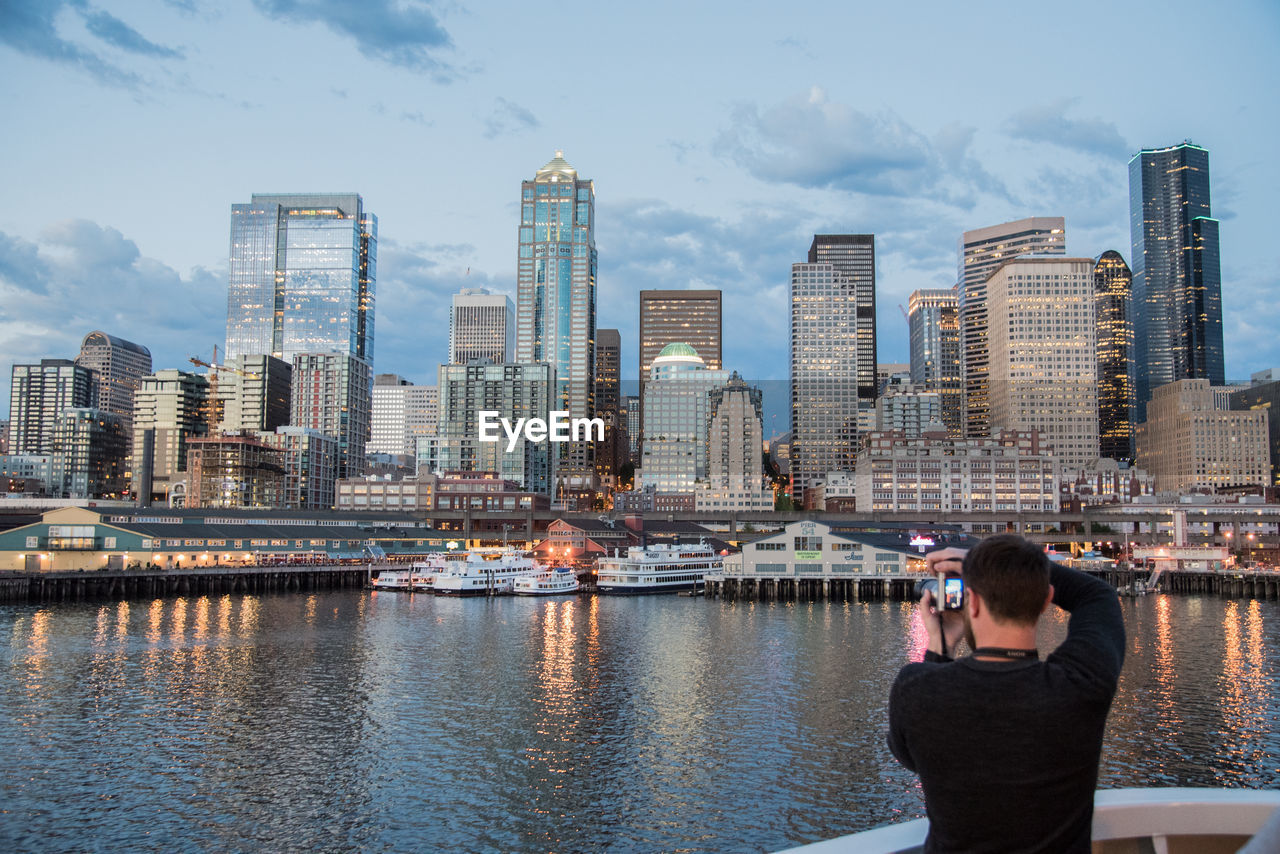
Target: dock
{"points": [[96, 585]]}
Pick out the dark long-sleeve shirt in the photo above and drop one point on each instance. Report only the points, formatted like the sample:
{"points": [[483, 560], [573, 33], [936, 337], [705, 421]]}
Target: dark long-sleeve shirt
{"points": [[1007, 751]]}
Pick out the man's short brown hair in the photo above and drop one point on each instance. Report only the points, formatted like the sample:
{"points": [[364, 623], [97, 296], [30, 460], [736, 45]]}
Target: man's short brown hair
{"points": [[1011, 575]]}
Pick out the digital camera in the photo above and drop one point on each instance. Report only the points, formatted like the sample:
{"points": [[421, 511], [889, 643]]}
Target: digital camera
{"points": [[952, 598]]}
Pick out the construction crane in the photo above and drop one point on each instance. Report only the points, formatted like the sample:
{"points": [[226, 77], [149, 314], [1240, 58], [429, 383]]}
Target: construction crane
{"points": [[213, 415]]}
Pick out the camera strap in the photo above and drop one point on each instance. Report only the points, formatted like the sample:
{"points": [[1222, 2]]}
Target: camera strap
{"points": [[1001, 652]]}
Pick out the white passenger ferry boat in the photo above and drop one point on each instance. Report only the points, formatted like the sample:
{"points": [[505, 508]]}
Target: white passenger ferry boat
{"points": [[665, 568], [393, 579], [554, 582], [480, 576], [425, 572]]}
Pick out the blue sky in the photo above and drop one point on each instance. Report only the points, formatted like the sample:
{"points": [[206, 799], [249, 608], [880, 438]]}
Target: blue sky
{"points": [[721, 137]]}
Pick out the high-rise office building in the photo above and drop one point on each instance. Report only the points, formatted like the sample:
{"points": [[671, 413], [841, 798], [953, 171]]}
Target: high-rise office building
{"points": [[673, 455], [90, 447], [119, 366], [854, 257], [37, 396], [331, 394], [254, 393], [303, 272], [402, 413], [1043, 349], [608, 391], [556, 301], [680, 317], [514, 391], [481, 327], [168, 409], [981, 251], [1177, 282], [1113, 310], [556, 278], [833, 363], [933, 318]]}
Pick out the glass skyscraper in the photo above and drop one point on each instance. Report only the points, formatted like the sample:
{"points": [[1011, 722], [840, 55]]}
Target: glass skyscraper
{"points": [[556, 280], [933, 317], [556, 304], [1113, 311], [303, 268], [1177, 281]]}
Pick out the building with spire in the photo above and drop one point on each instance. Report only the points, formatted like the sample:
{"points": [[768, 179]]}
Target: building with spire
{"points": [[556, 301]]}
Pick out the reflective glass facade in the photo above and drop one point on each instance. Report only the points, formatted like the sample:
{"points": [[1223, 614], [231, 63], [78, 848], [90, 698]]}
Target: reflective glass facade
{"points": [[1113, 307], [934, 320], [556, 280], [1177, 282], [302, 276]]}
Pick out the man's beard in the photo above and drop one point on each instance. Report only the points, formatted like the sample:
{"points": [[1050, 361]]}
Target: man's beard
{"points": [[968, 631]]}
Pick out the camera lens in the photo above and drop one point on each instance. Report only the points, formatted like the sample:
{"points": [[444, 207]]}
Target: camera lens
{"points": [[930, 584]]}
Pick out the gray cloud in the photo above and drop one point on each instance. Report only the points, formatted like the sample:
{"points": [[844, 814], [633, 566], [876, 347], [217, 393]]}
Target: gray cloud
{"points": [[80, 276], [812, 142], [116, 32], [415, 288], [509, 118], [1049, 123], [27, 26], [397, 34]]}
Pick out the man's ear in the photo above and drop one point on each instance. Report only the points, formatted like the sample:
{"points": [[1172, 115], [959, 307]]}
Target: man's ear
{"points": [[1048, 600], [974, 603]]}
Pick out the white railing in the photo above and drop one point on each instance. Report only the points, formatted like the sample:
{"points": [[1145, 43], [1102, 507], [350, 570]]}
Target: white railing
{"points": [[1119, 816]]}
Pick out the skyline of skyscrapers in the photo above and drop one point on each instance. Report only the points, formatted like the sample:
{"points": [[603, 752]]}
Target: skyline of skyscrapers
{"points": [[1177, 280], [310, 253], [980, 252]]}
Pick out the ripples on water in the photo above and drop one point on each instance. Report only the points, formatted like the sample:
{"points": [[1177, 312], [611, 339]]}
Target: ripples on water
{"points": [[394, 722]]}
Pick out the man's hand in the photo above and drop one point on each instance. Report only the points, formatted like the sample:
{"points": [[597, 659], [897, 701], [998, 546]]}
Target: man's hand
{"points": [[936, 621]]}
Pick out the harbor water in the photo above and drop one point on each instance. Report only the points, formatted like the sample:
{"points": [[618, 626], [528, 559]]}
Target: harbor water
{"points": [[395, 722]]}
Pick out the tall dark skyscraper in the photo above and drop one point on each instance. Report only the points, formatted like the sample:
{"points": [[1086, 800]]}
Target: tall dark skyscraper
{"points": [[1177, 280], [1113, 315], [303, 271]]}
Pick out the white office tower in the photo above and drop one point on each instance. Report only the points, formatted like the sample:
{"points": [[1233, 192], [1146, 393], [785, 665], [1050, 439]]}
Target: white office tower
{"points": [[482, 327], [1044, 356], [402, 413]]}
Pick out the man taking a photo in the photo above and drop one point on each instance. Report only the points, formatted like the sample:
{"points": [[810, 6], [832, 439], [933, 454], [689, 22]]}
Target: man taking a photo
{"points": [[1006, 744]]}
